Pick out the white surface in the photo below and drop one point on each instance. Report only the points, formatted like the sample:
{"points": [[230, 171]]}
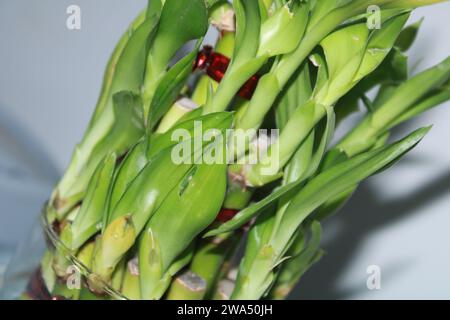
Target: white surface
{"points": [[49, 82]]}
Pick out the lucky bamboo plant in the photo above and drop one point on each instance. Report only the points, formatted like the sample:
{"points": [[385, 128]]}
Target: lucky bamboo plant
{"points": [[140, 210]]}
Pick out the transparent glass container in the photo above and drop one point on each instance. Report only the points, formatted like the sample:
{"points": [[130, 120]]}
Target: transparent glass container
{"points": [[24, 277], [23, 263]]}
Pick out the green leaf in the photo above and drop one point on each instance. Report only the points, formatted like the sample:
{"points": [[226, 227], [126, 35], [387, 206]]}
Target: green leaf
{"points": [[307, 160], [391, 72], [253, 210], [309, 156], [336, 180], [117, 239], [322, 7], [180, 22], [185, 215], [128, 127], [129, 168], [126, 131], [283, 31], [405, 97], [130, 68], [331, 206], [146, 192], [324, 138], [211, 3], [380, 43], [144, 151], [114, 69], [408, 35], [193, 129], [142, 198], [128, 75], [169, 87], [383, 95], [154, 8], [301, 123], [248, 24], [350, 42], [296, 93], [347, 105], [87, 221], [430, 101], [298, 262], [411, 91]]}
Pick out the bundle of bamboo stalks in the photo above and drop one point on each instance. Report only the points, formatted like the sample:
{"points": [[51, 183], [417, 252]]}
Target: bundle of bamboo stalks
{"points": [[150, 208]]}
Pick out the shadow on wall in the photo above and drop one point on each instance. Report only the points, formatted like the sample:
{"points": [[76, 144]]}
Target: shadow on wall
{"points": [[19, 142], [364, 214]]}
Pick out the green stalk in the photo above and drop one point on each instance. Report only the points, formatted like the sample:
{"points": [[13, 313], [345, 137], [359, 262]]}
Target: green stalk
{"points": [[187, 286], [225, 46], [131, 286], [117, 239], [86, 253], [175, 113], [238, 196], [210, 257], [224, 290], [221, 15], [299, 126], [248, 25], [118, 275], [138, 214]]}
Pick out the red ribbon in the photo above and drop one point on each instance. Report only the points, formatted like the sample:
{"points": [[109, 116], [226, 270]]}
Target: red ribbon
{"points": [[215, 66], [226, 215]]}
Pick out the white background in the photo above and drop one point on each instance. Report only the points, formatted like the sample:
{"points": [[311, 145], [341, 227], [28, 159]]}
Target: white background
{"points": [[49, 81]]}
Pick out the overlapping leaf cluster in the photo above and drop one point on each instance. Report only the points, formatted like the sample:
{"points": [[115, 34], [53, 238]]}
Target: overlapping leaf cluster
{"points": [[146, 226]]}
